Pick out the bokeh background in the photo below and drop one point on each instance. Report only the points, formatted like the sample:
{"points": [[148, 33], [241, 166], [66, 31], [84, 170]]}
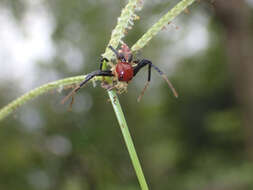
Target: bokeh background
{"points": [[201, 141]]}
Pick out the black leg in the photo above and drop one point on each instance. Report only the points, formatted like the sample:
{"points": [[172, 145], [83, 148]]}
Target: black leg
{"points": [[119, 56], [87, 78], [142, 64], [146, 85], [149, 72], [93, 74], [130, 58], [114, 50]]}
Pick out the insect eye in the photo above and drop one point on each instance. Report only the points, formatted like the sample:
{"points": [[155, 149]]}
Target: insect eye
{"points": [[121, 57]]}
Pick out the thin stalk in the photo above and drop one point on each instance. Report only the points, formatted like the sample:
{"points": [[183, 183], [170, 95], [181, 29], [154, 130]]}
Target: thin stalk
{"points": [[9, 108], [114, 98], [124, 22], [128, 140], [163, 22]]}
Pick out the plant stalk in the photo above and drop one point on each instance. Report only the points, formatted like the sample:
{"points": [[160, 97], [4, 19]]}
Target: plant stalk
{"points": [[128, 140], [12, 106], [163, 22]]}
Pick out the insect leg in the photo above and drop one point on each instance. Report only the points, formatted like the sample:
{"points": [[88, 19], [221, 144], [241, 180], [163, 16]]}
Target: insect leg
{"points": [[87, 78], [145, 62], [114, 50]]}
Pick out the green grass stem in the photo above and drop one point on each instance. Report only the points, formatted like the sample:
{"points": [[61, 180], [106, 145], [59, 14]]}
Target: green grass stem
{"points": [[128, 140], [12, 106], [126, 17], [163, 22]]}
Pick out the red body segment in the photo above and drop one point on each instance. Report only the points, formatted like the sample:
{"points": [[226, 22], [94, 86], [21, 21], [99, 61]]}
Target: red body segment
{"points": [[125, 71]]}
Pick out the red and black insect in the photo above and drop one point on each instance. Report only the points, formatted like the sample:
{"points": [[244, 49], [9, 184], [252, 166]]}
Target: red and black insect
{"points": [[125, 69]]}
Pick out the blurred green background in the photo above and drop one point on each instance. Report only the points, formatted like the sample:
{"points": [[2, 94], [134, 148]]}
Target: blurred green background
{"points": [[201, 141]]}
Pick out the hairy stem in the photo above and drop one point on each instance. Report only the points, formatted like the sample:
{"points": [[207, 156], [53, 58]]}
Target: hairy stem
{"points": [[113, 97], [158, 26], [5, 111], [127, 17], [125, 21]]}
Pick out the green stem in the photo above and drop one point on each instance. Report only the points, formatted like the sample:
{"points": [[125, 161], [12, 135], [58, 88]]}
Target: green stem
{"points": [[158, 26], [114, 98], [125, 22], [128, 140], [127, 16], [9, 108]]}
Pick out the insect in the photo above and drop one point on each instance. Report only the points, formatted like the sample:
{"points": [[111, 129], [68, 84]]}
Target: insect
{"points": [[123, 72]]}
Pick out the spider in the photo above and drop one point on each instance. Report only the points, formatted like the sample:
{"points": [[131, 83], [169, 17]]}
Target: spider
{"points": [[123, 72]]}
